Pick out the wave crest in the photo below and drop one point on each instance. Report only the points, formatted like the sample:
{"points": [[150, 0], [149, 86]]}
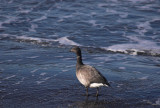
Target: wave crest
{"points": [[135, 49], [41, 41]]}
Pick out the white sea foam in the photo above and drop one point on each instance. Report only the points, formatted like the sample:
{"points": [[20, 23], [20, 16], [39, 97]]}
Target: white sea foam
{"points": [[119, 85], [47, 78], [34, 40], [42, 41], [122, 68], [11, 1], [33, 27], [146, 7], [103, 58], [61, 20], [120, 13], [70, 66], [39, 19], [64, 17], [66, 41], [157, 101], [43, 80], [142, 46], [144, 78], [143, 27], [122, 48], [25, 11], [108, 10], [31, 9], [9, 60], [137, 72], [123, 14], [114, 1], [93, 22], [25, 38], [102, 4], [12, 76], [39, 82], [42, 74], [32, 57], [15, 90], [65, 70], [59, 56], [35, 70], [68, 16], [8, 20], [62, 40], [17, 83], [93, 13], [137, 1]]}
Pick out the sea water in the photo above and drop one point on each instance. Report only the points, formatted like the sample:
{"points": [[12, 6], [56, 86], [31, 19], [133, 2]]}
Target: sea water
{"points": [[120, 38]]}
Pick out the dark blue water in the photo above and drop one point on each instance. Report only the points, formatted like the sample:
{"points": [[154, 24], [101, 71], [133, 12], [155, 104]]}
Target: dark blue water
{"points": [[120, 38]]}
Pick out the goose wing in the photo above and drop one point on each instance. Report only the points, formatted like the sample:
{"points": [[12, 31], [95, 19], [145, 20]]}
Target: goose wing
{"points": [[91, 75]]}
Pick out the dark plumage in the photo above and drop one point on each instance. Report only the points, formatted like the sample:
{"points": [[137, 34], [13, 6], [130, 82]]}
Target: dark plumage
{"points": [[88, 75]]}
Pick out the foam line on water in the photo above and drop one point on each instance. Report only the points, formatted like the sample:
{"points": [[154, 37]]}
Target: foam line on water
{"points": [[93, 22], [143, 27], [157, 102], [139, 47], [66, 41], [12, 76], [31, 39], [43, 80], [145, 47], [33, 27], [32, 57], [42, 74], [120, 13], [144, 78], [19, 82], [25, 11], [35, 70], [39, 82], [39, 19], [62, 40], [8, 20]]}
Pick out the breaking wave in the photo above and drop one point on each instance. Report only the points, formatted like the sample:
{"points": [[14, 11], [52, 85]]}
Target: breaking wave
{"points": [[141, 47], [41, 41]]}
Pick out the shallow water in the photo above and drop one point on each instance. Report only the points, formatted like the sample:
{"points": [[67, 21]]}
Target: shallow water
{"points": [[120, 38]]}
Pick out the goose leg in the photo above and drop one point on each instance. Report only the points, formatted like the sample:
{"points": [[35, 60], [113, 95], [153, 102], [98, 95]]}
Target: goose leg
{"points": [[97, 91], [87, 91]]}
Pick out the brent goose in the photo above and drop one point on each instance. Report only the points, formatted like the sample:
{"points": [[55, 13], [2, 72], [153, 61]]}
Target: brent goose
{"points": [[88, 75]]}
